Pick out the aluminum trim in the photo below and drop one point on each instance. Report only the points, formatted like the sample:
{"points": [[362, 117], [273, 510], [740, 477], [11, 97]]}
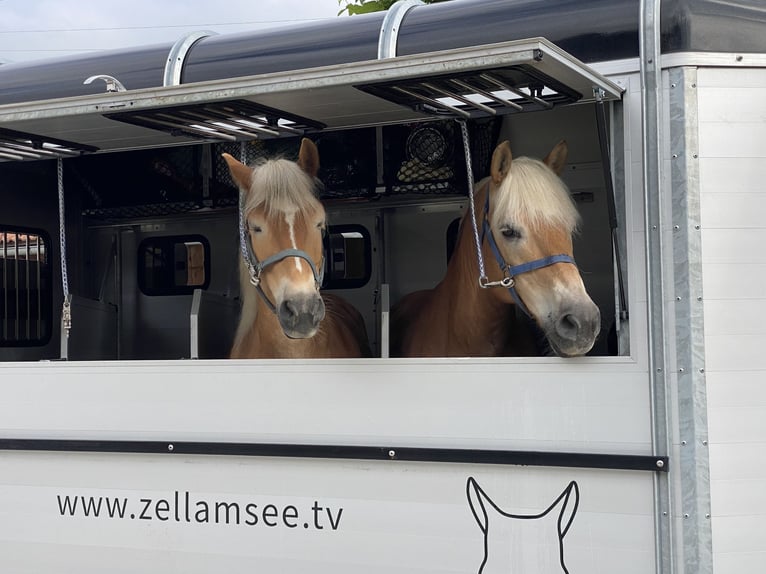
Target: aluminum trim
{"points": [[652, 128], [693, 459], [177, 56], [389, 28]]}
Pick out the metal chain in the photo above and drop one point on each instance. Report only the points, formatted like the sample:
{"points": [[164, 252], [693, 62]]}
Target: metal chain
{"points": [[66, 311], [241, 215], [474, 224]]}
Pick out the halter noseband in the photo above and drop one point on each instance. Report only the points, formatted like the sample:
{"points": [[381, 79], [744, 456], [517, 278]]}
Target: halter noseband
{"points": [[511, 272], [255, 268]]}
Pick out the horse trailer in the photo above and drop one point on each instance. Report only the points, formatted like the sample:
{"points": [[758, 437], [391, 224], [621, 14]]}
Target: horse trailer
{"points": [[131, 442]]}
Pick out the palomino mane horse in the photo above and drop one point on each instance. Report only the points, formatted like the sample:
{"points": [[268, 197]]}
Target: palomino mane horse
{"points": [[526, 240], [283, 314]]}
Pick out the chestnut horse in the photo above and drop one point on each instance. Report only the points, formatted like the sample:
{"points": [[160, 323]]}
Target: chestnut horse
{"points": [[283, 314], [526, 241]]}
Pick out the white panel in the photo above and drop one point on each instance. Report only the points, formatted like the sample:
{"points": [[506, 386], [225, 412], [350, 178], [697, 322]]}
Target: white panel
{"points": [[738, 353], [732, 123], [731, 281], [319, 516], [738, 317], [717, 139], [538, 404], [738, 246], [746, 389], [745, 104], [731, 175], [737, 458]]}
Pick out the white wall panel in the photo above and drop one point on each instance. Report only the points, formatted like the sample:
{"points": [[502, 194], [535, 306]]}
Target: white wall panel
{"points": [[732, 124]]}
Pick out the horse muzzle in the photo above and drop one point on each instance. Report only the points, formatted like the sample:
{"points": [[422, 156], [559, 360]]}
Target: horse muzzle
{"points": [[300, 316], [575, 330]]}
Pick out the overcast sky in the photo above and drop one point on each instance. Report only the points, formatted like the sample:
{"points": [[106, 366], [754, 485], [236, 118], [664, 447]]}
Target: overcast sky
{"points": [[33, 29]]}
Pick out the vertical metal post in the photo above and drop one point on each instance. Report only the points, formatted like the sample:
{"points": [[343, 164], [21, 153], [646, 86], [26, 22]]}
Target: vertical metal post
{"points": [[27, 265], [652, 125], [16, 287], [5, 285]]}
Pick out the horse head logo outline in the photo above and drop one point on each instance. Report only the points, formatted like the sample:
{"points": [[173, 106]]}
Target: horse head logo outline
{"points": [[480, 503]]}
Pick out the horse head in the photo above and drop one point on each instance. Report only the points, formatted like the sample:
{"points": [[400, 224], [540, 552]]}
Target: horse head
{"points": [[285, 224], [529, 220]]}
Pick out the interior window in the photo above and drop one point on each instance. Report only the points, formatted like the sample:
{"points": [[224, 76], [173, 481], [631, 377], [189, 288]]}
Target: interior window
{"points": [[173, 265], [347, 256]]}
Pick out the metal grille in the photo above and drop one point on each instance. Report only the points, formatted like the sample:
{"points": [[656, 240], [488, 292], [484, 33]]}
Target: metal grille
{"points": [[234, 120], [25, 288], [478, 94], [19, 146]]}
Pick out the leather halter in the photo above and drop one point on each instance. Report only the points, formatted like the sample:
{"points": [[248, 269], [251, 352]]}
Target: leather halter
{"points": [[511, 271], [255, 268]]}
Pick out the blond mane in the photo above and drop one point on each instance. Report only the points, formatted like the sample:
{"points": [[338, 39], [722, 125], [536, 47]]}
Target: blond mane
{"points": [[533, 193]]}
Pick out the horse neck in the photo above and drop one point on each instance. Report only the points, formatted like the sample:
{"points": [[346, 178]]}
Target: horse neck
{"points": [[475, 312]]}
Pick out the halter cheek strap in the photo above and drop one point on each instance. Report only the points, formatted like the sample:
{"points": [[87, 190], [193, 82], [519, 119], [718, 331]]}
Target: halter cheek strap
{"points": [[511, 271]]}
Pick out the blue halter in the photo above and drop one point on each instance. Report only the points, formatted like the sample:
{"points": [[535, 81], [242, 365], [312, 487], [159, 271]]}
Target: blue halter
{"points": [[256, 268], [512, 271]]}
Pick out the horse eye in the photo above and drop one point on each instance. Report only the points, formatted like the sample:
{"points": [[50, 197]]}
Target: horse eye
{"points": [[511, 233], [256, 228]]}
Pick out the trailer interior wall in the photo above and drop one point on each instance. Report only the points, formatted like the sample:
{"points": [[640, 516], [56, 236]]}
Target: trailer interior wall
{"points": [[732, 168]]}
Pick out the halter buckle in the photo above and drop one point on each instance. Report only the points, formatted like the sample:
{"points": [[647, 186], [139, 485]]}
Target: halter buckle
{"points": [[506, 282]]}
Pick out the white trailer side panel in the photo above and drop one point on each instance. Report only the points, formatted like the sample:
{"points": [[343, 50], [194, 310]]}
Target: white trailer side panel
{"points": [[732, 165]]}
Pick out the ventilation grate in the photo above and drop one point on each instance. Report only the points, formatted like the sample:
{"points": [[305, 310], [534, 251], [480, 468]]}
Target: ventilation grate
{"points": [[235, 120], [478, 94], [20, 146]]}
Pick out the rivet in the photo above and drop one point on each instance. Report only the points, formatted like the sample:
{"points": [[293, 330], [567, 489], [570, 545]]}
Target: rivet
{"points": [[678, 298], [654, 227], [696, 227], [675, 155], [686, 516], [694, 85], [738, 58], [392, 453], [664, 512], [707, 515], [699, 298], [702, 370], [170, 447], [660, 464], [681, 370], [683, 443], [704, 443], [694, 156], [672, 85], [676, 227]]}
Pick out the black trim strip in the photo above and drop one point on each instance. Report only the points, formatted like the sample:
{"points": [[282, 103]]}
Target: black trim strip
{"points": [[474, 456]]}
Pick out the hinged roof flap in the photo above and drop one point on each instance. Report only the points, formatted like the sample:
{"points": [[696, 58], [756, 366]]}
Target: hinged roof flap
{"points": [[338, 97]]}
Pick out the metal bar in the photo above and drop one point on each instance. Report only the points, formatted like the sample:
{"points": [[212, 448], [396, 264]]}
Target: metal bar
{"points": [[606, 166], [528, 97], [5, 285], [393, 453], [433, 102], [38, 267], [210, 122], [27, 264], [16, 285], [486, 94], [173, 124], [652, 127], [477, 105]]}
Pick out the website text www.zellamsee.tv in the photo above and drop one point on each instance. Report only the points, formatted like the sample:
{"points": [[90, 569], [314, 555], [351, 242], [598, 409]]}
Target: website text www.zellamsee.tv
{"points": [[183, 507]]}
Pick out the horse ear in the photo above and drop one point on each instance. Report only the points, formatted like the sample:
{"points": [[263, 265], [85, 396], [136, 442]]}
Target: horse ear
{"points": [[308, 157], [476, 497], [241, 174], [558, 157], [501, 162]]}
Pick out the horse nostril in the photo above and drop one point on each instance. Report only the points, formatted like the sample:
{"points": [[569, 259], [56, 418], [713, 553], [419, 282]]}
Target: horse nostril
{"points": [[288, 310], [568, 326]]}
